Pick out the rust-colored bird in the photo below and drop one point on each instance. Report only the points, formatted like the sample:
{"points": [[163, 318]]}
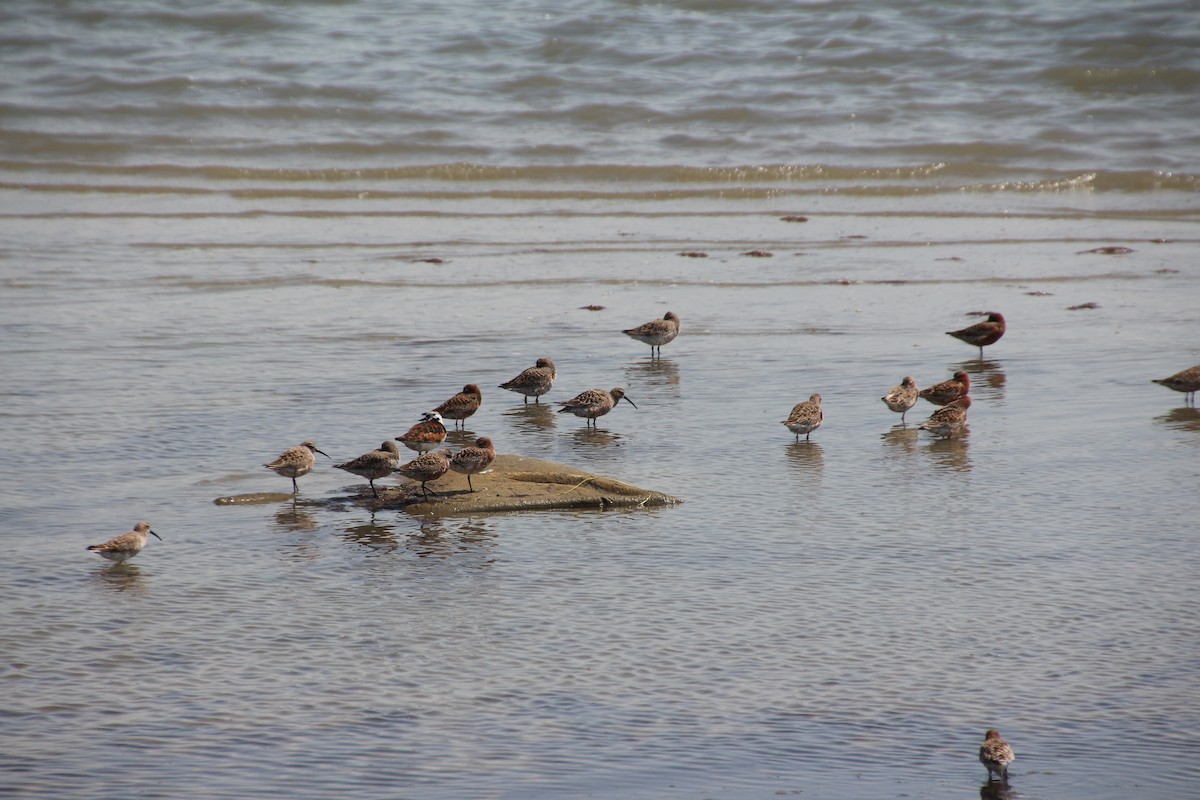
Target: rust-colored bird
{"points": [[426, 435], [462, 405], [947, 391], [981, 334]]}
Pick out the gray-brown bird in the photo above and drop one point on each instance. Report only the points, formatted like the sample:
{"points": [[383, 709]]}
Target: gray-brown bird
{"points": [[374, 465], [594, 403], [534, 381], [806, 417], [656, 332], [473, 460], [426, 467], [996, 754], [124, 547], [1186, 381], [296, 461], [903, 397]]}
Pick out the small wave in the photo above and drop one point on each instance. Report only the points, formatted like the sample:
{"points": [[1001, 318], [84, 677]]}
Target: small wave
{"points": [[1126, 80]]}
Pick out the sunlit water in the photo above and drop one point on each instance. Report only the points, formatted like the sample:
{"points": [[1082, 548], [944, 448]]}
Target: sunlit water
{"points": [[226, 231]]}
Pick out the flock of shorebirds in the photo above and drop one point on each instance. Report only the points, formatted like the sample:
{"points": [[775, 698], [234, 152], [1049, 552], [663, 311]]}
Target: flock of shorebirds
{"points": [[433, 461]]}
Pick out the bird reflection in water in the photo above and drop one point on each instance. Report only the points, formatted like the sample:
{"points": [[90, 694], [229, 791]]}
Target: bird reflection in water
{"points": [[807, 456], [595, 437], [121, 578], [461, 437], [902, 437], [656, 371], [1183, 418], [951, 453], [372, 535], [295, 518], [995, 790], [987, 379], [444, 539], [534, 417]]}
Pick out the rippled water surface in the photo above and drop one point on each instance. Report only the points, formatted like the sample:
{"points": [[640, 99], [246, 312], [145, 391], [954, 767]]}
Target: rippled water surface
{"points": [[226, 230]]}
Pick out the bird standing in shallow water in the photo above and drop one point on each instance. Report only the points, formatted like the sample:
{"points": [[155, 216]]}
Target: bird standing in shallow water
{"points": [[983, 333], [656, 332], [806, 417], [996, 754], [426, 467], [461, 405], [534, 381], [473, 460], [903, 397], [947, 391], [595, 403], [124, 547], [1187, 381], [426, 435], [375, 464], [950, 419], [296, 461]]}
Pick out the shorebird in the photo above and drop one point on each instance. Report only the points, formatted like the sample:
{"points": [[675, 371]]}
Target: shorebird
{"points": [[1187, 381], [806, 417], [948, 391], [124, 547], [426, 435], [296, 461], [462, 405], [375, 464], [996, 754], [950, 419], [903, 397], [473, 460], [594, 403], [983, 333], [426, 467], [656, 332], [535, 381]]}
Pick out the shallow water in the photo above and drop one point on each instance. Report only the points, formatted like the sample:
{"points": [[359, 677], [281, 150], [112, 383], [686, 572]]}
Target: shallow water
{"points": [[186, 292]]}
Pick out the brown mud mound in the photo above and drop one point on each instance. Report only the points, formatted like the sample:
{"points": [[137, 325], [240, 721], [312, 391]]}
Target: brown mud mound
{"points": [[512, 483]]}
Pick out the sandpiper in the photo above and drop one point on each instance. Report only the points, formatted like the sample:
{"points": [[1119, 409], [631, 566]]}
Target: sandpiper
{"points": [[473, 460], [996, 754], [950, 419], [462, 405], [903, 397], [124, 547], [594, 403], [375, 464], [296, 461], [535, 381], [1187, 381], [806, 417], [426, 467], [983, 333], [426, 435], [656, 332], [948, 391]]}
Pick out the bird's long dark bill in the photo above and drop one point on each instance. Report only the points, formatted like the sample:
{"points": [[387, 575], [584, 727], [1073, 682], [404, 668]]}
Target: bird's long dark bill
{"points": [[322, 452], [155, 535], [627, 400]]}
